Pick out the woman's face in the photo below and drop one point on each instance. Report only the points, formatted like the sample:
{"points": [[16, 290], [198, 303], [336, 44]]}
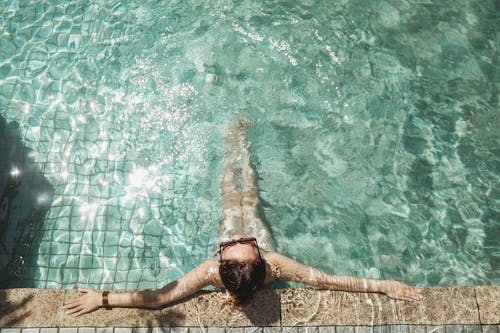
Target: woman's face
{"points": [[241, 252]]}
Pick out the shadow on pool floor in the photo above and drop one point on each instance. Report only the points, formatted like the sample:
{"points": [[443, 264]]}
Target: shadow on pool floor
{"points": [[25, 197]]}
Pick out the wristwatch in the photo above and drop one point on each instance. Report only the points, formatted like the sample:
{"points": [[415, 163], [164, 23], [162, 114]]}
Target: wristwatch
{"points": [[105, 302]]}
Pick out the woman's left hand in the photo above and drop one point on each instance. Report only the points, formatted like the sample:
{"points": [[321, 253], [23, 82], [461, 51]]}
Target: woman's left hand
{"points": [[90, 301]]}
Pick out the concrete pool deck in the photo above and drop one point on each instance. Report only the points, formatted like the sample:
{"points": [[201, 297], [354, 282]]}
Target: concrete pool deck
{"points": [[443, 309]]}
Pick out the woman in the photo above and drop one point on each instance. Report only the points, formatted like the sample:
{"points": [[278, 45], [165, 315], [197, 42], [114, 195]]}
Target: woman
{"points": [[245, 264]]}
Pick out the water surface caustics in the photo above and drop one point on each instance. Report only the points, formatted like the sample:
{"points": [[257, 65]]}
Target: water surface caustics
{"points": [[375, 135]]}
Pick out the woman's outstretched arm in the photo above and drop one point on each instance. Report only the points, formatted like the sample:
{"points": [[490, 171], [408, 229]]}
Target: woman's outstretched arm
{"points": [[198, 278], [288, 269]]}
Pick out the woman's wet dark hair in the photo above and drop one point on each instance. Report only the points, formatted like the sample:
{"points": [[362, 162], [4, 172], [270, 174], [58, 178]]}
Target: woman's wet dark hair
{"points": [[242, 279]]}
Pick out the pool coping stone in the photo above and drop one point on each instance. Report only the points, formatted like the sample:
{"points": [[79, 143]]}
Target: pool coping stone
{"points": [[284, 329], [272, 309]]}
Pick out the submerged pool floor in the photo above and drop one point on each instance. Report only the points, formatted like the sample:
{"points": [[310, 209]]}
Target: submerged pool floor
{"points": [[443, 309], [375, 136]]}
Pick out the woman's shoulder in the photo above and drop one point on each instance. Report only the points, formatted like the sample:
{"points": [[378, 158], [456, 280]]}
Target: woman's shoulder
{"points": [[212, 271], [272, 267], [272, 257]]}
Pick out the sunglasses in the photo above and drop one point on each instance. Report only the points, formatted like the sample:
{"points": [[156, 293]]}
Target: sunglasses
{"points": [[246, 240]]}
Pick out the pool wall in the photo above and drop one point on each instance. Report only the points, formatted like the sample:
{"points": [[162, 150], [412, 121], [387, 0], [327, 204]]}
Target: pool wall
{"points": [[460, 307]]}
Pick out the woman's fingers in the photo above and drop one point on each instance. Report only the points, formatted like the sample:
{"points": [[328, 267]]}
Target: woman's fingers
{"points": [[77, 310], [401, 291], [82, 311], [73, 309], [82, 304], [72, 303], [412, 294], [409, 297]]}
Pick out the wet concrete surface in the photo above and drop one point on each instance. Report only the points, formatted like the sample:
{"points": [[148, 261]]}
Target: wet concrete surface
{"points": [[461, 309]]}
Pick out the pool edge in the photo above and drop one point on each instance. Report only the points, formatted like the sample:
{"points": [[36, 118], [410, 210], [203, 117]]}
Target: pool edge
{"points": [[29, 308]]}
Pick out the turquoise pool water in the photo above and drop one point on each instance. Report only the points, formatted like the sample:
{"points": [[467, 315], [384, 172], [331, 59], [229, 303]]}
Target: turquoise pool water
{"points": [[375, 134]]}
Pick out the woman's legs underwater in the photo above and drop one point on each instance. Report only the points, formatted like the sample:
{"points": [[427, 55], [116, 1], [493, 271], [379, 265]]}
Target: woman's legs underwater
{"points": [[240, 209], [252, 223], [232, 219]]}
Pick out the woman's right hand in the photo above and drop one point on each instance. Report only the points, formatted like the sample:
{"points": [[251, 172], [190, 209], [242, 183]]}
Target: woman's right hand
{"points": [[90, 301], [400, 291]]}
